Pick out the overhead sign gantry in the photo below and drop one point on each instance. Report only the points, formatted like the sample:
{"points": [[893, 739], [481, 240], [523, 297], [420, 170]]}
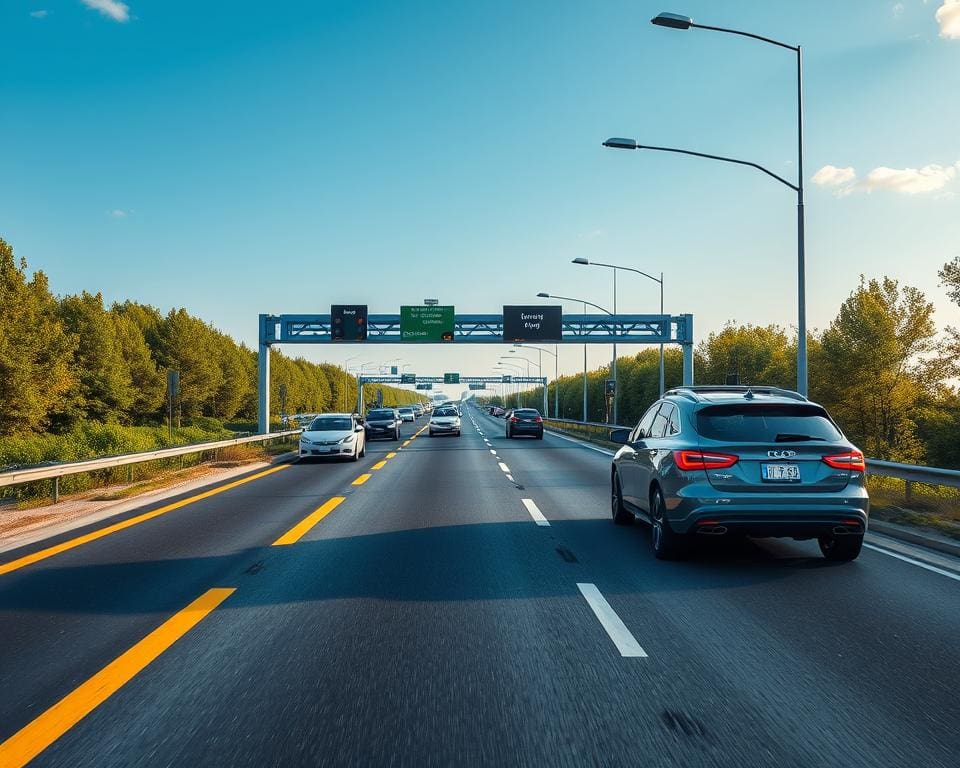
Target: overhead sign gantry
{"points": [[352, 324]]}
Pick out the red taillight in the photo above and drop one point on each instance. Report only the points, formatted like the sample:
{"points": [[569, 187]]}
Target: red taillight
{"points": [[539, 420], [690, 460], [514, 418], [852, 461]]}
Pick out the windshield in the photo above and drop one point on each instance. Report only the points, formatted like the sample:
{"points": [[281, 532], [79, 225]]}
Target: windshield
{"points": [[331, 424], [741, 423], [406, 410], [380, 416], [445, 412]]}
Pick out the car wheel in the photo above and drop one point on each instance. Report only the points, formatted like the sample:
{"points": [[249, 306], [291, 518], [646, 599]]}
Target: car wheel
{"points": [[667, 545], [621, 515], [540, 436], [841, 549], [363, 451]]}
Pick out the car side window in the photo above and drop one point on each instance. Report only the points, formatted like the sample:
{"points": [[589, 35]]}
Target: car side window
{"points": [[643, 428], [662, 421], [674, 427]]}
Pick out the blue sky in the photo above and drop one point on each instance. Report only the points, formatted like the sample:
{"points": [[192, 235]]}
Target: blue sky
{"points": [[240, 157]]}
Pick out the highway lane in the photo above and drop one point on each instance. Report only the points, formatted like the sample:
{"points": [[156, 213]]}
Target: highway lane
{"points": [[428, 620]]}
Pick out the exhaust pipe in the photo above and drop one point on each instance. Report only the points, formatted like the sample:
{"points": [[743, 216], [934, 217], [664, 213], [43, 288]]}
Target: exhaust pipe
{"points": [[712, 530], [841, 530]]}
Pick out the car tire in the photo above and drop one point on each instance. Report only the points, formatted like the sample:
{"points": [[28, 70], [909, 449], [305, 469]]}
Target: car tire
{"points": [[667, 544], [618, 510], [540, 436], [363, 451], [841, 549]]}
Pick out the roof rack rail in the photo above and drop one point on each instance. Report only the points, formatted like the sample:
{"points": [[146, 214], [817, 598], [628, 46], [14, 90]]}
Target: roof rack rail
{"points": [[692, 391]]}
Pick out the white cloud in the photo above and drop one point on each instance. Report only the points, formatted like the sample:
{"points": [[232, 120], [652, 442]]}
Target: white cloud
{"points": [[113, 8], [948, 17], [119, 213], [897, 10], [831, 176], [39, 14], [909, 181]]}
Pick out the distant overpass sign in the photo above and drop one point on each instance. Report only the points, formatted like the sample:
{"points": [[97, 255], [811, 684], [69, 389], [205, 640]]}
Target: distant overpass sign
{"points": [[426, 323], [532, 323], [451, 378], [408, 378], [424, 386], [481, 385]]}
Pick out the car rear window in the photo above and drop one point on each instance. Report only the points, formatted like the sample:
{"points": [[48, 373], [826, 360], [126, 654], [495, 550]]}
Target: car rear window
{"points": [[526, 413], [766, 423]]}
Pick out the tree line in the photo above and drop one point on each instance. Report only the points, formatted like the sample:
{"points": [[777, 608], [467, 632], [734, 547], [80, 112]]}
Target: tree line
{"points": [[881, 367], [70, 361]]}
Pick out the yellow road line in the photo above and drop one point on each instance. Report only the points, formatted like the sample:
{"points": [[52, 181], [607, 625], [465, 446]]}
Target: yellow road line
{"points": [[391, 455], [379, 464], [300, 529], [43, 554], [406, 443], [362, 479], [39, 734]]}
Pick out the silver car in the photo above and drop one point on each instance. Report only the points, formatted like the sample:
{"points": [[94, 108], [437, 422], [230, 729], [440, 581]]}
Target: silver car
{"points": [[760, 461]]}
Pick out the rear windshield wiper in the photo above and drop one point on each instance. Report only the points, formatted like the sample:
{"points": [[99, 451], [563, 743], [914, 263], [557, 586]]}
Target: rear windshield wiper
{"points": [[787, 437]]}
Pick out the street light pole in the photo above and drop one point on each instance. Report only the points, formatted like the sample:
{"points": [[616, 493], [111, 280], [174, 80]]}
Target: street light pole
{"points": [[556, 373], [616, 267], [543, 295], [678, 21]]}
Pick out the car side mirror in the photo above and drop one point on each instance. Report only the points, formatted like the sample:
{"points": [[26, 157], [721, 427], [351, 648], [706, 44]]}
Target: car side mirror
{"points": [[358, 428], [620, 436]]}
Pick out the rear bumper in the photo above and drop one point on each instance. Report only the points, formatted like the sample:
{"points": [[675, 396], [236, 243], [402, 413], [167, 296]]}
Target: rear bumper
{"points": [[804, 516], [526, 429]]}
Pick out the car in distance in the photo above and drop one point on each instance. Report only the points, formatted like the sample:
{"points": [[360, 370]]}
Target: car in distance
{"points": [[333, 434], [417, 410], [406, 413], [758, 461], [382, 422], [525, 421], [444, 421]]}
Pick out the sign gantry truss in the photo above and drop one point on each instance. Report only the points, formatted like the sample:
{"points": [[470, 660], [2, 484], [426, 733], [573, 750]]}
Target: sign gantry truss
{"points": [[488, 329]]}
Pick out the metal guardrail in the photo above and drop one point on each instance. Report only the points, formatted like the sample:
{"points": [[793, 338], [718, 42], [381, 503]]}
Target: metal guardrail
{"points": [[909, 473], [56, 471]]}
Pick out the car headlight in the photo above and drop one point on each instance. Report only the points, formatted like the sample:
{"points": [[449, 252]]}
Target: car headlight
{"points": [[306, 440], [347, 439]]}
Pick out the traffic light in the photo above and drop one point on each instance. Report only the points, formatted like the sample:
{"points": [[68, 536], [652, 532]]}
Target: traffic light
{"points": [[610, 387], [348, 322]]}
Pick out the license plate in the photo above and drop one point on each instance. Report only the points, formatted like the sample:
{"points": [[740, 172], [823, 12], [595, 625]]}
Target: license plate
{"points": [[780, 473]]}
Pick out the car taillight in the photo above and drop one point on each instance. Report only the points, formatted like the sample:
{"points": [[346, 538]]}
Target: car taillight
{"points": [[539, 420], [514, 418], [690, 460], [852, 460]]}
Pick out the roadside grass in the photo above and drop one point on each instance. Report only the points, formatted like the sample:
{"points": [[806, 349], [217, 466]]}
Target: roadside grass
{"points": [[932, 507]]}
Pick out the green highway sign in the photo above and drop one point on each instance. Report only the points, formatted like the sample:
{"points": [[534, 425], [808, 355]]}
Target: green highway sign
{"points": [[451, 378], [408, 378], [426, 323], [424, 386], [480, 385]]}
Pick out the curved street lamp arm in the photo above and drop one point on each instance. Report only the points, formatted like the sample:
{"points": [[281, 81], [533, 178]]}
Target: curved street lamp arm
{"points": [[581, 301], [627, 269], [782, 180], [747, 34]]}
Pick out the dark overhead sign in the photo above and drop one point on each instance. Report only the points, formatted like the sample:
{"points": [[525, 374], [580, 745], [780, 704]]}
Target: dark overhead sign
{"points": [[348, 322], [532, 323], [424, 386], [451, 378], [408, 378], [480, 385]]}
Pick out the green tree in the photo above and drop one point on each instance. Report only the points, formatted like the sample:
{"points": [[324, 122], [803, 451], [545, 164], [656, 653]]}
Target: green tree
{"points": [[148, 383], [35, 349], [874, 373], [103, 389], [188, 345]]}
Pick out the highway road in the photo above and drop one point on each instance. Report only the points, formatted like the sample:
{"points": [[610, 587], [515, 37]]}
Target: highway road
{"points": [[462, 602]]}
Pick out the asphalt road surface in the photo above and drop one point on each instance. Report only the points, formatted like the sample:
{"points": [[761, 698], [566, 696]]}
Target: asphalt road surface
{"points": [[468, 603]]}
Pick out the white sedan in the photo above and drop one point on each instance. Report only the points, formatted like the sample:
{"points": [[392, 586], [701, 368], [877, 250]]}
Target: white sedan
{"points": [[445, 421], [333, 434]]}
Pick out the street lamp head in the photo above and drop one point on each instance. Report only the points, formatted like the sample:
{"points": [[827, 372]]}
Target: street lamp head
{"points": [[580, 260], [621, 143], [542, 295], [672, 20]]}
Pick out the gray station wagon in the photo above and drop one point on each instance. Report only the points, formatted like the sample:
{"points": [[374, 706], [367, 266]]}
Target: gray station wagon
{"points": [[759, 461]]}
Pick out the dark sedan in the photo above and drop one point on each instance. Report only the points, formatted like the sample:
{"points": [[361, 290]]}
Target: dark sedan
{"points": [[382, 422], [525, 421]]}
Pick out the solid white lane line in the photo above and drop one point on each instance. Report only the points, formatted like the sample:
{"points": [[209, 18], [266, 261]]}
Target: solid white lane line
{"points": [[510, 478], [582, 444], [622, 638], [504, 467], [493, 452], [918, 563], [535, 513]]}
